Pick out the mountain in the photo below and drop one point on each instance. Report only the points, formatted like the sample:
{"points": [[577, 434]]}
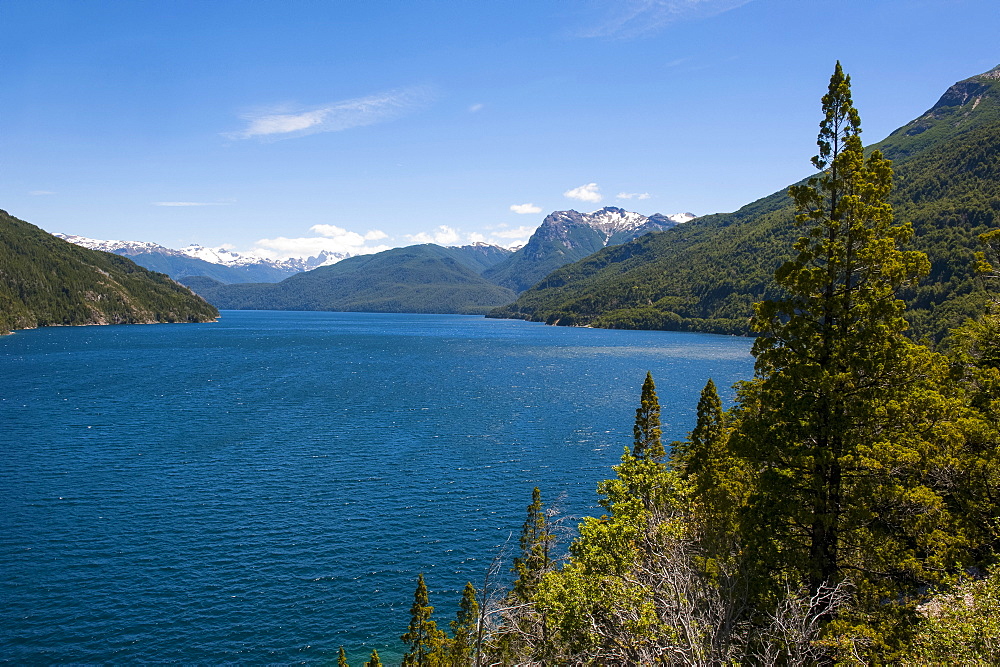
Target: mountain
{"points": [[705, 275], [219, 264], [417, 279], [45, 281], [569, 236]]}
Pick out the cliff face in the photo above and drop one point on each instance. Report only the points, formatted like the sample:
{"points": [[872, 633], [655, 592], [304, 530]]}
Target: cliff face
{"points": [[45, 281]]}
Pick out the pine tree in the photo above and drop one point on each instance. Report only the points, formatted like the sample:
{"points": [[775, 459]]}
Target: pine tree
{"points": [[845, 426], [374, 661], [342, 658], [535, 542], [422, 636], [463, 628], [647, 423]]}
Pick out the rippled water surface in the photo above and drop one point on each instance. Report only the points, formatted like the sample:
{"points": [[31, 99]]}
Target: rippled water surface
{"points": [[266, 488]]}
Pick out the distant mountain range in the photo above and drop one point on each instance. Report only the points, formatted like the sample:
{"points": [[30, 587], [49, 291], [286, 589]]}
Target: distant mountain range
{"points": [[417, 279], [706, 275], [424, 278], [45, 281], [219, 264]]}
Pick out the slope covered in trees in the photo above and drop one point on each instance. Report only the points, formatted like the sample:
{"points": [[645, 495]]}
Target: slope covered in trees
{"points": [[45, 281], [417, 279], [706, 275]]}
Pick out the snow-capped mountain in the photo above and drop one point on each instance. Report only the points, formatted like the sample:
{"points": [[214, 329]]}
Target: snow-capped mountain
{"points": [[568, 236], [220, 264], [679, 218]]}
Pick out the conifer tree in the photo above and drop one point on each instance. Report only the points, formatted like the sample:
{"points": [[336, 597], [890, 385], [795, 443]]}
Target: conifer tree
{"points": [[422, 636], [342, 658], [840, 422], [464, 626], [535, 541], [647, 423], [374, 661]]}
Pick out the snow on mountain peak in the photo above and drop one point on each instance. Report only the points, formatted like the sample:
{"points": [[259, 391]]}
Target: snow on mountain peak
{"points": [[222, 256]]}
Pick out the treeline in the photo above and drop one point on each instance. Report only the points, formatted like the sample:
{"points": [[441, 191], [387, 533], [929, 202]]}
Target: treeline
{"points": [[45, 281], [846, 509]]}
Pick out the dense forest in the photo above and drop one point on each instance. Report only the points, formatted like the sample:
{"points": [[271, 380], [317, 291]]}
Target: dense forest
{"points": [[706, 275], [45, 281], [845, 509]]}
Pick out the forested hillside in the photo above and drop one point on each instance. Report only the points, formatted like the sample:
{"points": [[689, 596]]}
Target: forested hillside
{"points": [[417, 279], [705, 275], [45, 281]]}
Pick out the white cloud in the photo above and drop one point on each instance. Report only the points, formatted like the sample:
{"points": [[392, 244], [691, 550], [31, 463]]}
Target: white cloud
{"points": [[36, 193], [503, 236], [476, 107], [191, 203], [331, 238], [633, 195], [587, 193], [525, 208], [639, 18], [443, 235], [288, 121]]}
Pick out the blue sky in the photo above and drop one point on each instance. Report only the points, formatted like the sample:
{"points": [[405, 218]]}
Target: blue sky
{"points": [[294, 125]]}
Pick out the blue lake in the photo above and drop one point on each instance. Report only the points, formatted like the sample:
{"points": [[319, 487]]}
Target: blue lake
{"points": [[266, 488]]}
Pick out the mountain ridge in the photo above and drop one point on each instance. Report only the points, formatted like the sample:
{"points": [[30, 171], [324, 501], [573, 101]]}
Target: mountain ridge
{"points": [[705, 275], [568, 236]]}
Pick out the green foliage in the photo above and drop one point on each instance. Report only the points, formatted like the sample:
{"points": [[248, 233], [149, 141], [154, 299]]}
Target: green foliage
{"points": [[425, 641], [706, 275], [647, 423], [45, 281], [959, 626], [418, 279], [462, 645], [342, 658], [374, 661]]}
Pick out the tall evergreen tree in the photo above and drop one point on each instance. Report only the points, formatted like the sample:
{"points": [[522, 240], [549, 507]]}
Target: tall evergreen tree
{"points": [[464, 627], [536, 542], [342, 658], [647, 423], [841, 422], [422, 636], [374, 661]]}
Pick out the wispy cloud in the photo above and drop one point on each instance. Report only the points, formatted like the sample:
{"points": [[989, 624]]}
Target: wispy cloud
{"points": [[38, 193], [329, 238], [587, 193], [639, 18], [633, 195], [295, 121], [476, 107], [525, 208], [191, 203], [501, 235]]}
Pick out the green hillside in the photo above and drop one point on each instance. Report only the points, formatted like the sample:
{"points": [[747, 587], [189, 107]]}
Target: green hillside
{"points": [[45, 281], [417, 279], [706, 274]]}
